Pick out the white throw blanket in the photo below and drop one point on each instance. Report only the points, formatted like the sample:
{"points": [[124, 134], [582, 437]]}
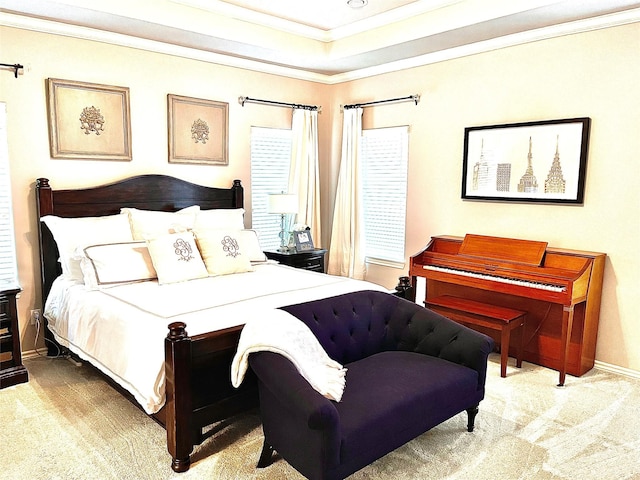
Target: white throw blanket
{"points": [[280, 332]]}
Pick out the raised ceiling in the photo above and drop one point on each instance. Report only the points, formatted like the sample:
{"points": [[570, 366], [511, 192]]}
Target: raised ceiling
{"points": [[324, 40]]}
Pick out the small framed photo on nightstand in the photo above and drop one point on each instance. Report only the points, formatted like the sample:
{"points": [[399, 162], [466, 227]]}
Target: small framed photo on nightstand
{"points": [[303, 240]]}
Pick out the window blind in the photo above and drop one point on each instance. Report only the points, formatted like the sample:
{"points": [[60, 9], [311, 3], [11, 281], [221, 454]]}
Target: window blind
{"points": [[8, 267], [384, 160], [270, 160]]}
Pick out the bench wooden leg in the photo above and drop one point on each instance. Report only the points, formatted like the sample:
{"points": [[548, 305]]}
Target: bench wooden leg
{"points": [[520, 346], [504, 350]]}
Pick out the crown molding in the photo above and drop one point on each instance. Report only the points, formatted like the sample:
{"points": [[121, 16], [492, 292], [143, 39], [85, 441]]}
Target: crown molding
{"points": [[546, 33], [72, 31], [257, 18], [92, 34], [313, 33], [393, 16]]}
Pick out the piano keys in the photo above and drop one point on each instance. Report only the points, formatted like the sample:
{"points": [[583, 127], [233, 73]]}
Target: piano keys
{"points": [[560, 290]]}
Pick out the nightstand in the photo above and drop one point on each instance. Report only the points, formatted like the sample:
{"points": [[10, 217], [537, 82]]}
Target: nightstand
{"points": [[307, 260], [12, 371]]}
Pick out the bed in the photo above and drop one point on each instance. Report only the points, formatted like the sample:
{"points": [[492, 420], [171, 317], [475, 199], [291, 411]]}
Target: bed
{"points": [[146, 323]]}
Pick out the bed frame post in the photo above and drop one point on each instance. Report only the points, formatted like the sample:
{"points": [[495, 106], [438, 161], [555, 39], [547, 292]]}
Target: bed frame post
{"points": [[178, 403], [49, 267], [48, 249], [238, 194]]}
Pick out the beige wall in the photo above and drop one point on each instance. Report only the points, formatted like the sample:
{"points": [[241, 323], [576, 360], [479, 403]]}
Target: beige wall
{"points": [[591, 74], [587, 75]]}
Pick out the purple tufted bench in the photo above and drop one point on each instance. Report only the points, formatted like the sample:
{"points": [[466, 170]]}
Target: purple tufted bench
{"points": [[409, 369]]}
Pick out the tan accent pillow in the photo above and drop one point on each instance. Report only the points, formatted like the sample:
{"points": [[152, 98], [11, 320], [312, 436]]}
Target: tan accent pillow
{"points": [[176, 258], [149, 224], [224, 252], [247, 239]]}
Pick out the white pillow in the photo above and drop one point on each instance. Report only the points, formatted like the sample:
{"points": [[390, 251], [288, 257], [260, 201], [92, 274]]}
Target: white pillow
{"points": [[224, 252], [116, 263], [251, 244], [176, 258], [148, 224], [73, 233], [228, 218]]}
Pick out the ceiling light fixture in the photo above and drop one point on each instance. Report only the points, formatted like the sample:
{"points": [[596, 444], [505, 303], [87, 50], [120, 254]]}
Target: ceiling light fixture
{"points": [[357, 3]]}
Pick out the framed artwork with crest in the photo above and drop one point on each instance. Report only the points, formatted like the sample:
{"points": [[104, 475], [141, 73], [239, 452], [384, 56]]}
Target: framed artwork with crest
{"points": [[88, 121], [198, 130]]}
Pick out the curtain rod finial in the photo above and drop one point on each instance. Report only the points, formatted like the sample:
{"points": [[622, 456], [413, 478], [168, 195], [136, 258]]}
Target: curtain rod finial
{"points": [[241, 100], [416, 98], [14, 66]]}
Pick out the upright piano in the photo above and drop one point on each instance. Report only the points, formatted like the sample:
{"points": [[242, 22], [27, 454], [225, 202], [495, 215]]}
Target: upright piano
{"points": [[560, 290]]}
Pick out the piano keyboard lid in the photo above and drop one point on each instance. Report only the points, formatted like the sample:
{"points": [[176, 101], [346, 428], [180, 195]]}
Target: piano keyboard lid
{"points": [[528, 252]]}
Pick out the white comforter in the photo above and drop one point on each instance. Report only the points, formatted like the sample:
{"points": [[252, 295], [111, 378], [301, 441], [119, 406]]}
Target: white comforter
{"points": [[121, 329]]}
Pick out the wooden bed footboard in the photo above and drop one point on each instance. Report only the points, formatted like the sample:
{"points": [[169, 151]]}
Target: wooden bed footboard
{"points": [[198, 387]]}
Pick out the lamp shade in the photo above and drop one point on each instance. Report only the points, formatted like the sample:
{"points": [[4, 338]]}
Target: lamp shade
{"points": [[283, 203]]}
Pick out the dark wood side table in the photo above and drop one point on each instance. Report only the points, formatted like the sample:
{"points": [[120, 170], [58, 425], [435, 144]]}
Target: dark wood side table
{"points": [[12, 371], [307, 260]]}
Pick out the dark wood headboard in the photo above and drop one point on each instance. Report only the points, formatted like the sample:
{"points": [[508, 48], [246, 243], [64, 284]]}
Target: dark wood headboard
{"points": [[147, 192]]}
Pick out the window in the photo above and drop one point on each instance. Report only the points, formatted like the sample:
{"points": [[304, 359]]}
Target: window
{"points": [[385, 156], [384, 159], [270, 160], [8, 268]]}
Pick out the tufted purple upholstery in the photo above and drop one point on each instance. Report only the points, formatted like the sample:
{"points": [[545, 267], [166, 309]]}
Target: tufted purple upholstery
{"points": [[409, 369]]}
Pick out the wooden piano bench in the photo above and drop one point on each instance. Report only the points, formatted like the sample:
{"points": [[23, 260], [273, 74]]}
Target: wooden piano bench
{"points": [[471, 312]]}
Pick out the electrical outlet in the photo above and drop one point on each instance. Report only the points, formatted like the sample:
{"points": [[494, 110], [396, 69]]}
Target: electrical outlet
{"points": [[35, 316]]}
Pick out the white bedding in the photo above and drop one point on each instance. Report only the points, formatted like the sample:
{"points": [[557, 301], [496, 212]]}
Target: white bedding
{"points": [[121, 329], [282, 333]]}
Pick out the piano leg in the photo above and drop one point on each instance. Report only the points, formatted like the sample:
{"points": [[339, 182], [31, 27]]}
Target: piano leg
{"points": [[567, 326]]}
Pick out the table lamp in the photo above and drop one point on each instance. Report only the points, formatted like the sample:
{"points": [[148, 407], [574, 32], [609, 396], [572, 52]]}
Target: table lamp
{"points": [[283, 203]]}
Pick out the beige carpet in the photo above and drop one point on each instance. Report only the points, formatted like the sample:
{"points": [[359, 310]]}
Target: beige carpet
{"points": [[67, 423]]}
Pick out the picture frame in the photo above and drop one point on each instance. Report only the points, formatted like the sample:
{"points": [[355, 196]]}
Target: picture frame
{"points": [[88, 121], [542, 161], [198, 130], [303, 240]]}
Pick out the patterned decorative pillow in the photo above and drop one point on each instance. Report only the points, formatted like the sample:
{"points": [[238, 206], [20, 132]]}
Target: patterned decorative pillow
{"points": [[224, 252], [176, 258], [116, 263], [247, 239], [149, 224]]}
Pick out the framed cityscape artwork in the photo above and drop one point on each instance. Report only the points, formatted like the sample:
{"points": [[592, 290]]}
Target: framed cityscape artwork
{"points": [[541, 161], [88, 121]]}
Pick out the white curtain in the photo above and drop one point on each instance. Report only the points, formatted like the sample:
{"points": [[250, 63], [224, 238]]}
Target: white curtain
{"points": [[304, 179], [346, 256]]}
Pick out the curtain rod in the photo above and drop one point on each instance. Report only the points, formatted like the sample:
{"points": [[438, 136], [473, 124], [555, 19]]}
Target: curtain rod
{"points": [[243, 100], [413, 98], [15, 66]]}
